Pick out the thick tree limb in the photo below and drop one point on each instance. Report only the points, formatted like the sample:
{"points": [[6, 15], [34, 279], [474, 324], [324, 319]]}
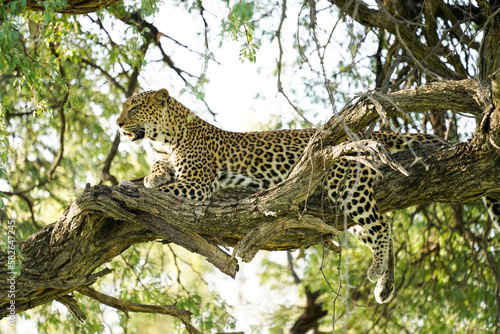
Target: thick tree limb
{"points": [[72, 7], [465, 96], [105, 221]]}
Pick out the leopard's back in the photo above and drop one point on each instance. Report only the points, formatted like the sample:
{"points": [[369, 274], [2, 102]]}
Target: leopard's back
{"points": [[265, 157]]}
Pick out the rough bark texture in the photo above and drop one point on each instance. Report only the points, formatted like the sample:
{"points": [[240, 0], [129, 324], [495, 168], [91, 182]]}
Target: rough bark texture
{"points": [[105, 221], [489, 70]]}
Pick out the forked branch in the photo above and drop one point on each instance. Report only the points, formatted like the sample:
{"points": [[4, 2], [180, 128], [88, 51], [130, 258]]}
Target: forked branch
{"points": [[104, 221]]}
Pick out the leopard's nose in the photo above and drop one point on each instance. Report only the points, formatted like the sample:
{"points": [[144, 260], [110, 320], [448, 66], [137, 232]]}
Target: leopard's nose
{"points": [[120, 124]]}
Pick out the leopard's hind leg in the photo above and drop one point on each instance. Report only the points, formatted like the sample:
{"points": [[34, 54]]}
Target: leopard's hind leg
{"points": [[350, 186], [385, 285]]}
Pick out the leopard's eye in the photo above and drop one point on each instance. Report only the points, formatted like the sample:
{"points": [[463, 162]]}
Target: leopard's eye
{"points": [[133, 110]]}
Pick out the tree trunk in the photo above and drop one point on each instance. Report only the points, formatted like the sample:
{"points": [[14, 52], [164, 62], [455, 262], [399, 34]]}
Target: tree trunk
{"points": [[489, 71]]}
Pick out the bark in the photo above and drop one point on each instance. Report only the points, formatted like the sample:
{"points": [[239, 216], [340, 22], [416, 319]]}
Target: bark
{"points": [[489, 68], [105, 221], [72, 7]]}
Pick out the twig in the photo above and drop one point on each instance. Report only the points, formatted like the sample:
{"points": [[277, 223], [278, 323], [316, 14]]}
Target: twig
{"points": [[59, 157], [280, 65], [73, 307], [126, 306], [106, 74], [202, 10], [105, 174]]}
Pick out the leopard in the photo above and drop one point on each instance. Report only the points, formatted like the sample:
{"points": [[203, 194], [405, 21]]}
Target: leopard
{"points": [[195, 159]]}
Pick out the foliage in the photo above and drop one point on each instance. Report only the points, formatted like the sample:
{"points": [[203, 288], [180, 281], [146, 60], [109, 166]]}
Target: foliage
{"points": [[146, 275], [65, 76], [241, 24]]}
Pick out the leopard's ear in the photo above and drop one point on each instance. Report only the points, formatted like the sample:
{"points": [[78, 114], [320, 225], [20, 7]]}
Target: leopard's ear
{"points": [[161, 97]]}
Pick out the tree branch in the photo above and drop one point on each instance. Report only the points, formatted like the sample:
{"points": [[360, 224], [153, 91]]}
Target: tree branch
{"points": [[105, 173], [465, 96], [382, 19], [108, 76], [72, 7], [127, 306], [59, 157], [105, 221], [313, 311]]}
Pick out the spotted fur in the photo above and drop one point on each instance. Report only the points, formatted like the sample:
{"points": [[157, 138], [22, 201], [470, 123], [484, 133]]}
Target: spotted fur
{"points": [[201, 158]]}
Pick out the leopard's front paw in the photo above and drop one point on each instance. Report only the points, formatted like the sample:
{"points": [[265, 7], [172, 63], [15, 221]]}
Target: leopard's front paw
{"points": [[155, 181], [161, 173]]}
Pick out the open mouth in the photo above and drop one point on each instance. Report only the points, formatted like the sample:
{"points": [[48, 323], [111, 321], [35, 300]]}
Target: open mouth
{"points": [[136, 135]]}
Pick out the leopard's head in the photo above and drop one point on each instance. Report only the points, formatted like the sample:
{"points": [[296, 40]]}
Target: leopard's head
{"points": [[143, 116]]}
